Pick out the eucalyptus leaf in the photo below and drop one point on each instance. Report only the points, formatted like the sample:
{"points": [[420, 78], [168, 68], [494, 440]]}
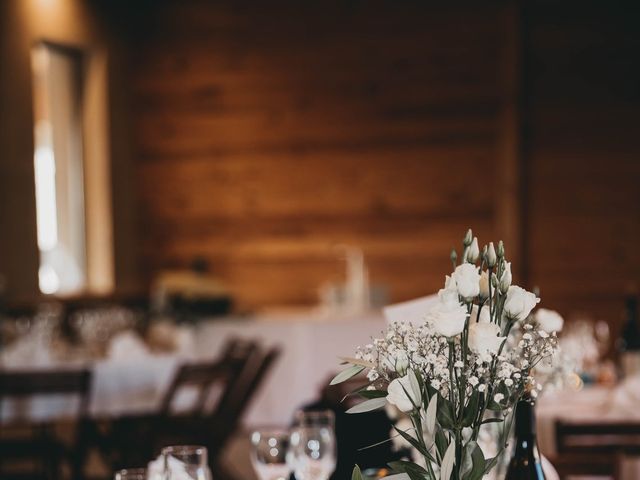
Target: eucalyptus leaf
{"points": [[368, 405], [346, 374]]}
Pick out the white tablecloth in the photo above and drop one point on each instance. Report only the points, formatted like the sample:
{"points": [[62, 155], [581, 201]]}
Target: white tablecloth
{"points": [[310, 347]]}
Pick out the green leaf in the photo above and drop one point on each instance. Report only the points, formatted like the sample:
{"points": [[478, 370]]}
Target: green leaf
{"points": [[445, 413], [415, 386], [413, 470], [414, 443], [368, 405], [490, 463], [432, 410], [441, 442], [492, 420], [471, 410], [467, 461], [346, 374], [477, 469], [447, 462], [372, 393], [356, 474]]}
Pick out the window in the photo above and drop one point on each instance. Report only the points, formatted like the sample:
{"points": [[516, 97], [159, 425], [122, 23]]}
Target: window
{"points": [[58, 166]]}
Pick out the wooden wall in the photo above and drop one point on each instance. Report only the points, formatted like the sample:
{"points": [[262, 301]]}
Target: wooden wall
{"points": [[268, 134], [583, 156]]}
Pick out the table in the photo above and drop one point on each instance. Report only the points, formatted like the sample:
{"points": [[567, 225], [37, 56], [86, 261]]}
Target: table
{"points": [[310, 343]]}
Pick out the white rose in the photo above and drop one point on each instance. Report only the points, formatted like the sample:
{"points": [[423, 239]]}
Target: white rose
{"points": [[519, 303], [447, 317], [549, 320], [484, 284], [398, 393], [484, 337], [467, 280]]}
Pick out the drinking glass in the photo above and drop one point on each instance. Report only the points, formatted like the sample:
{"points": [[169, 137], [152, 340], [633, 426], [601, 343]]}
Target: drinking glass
{"points": [[185, 462], [269, 454], [131, 474], [312, 450]]}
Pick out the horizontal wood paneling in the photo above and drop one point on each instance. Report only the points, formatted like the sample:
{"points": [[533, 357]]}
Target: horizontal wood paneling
{"points": [[584, 214], [266, 136]]}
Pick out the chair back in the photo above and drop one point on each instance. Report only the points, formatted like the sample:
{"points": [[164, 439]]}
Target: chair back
{"points": [[222, 374], [42, 448], [594, 448], [38, 383]]}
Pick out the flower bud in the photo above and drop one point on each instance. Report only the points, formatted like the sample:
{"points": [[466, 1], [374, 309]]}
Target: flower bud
{"points": [[494, 280], [484, 285], [500, 250], [453, 256], [505, 279], [473, 252], [402, 363], [491, 256], [468, 238]]}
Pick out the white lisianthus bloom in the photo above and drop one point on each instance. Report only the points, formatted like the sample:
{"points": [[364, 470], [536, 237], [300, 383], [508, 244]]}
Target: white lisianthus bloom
{"points": [[467, 280], [400, 394], [484, 284], [397, 362], [485, 315], [484, 337], [474, 251], [519, 303], [447, 317], [505, 278], [549, 320]]}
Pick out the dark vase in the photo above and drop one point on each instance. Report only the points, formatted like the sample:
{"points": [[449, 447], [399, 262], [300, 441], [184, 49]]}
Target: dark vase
{"points": [[525, 460]]}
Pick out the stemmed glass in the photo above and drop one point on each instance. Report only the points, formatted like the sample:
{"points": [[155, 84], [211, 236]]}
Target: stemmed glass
{"points": [[131, 474], [269, 454], [185, 462], [312, 451]]}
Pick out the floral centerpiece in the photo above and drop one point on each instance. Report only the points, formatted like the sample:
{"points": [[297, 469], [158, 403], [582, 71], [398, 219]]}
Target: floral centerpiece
{"points": [[465, 366]]}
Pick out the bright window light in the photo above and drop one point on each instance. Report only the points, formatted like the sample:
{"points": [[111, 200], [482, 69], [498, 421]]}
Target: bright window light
{"points": [[58, 169]]}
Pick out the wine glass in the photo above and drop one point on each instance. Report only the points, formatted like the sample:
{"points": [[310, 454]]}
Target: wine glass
{"points": [[185, 462], [269, 454], [312, 450], [131, 474]]}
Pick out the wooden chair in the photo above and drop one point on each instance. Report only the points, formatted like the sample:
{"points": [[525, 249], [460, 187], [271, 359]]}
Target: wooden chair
{"points": [[594, 448], [41, 448]]}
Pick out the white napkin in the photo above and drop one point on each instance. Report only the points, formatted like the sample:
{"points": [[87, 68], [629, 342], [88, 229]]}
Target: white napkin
{"points": [[412, 311], [127, 345]]}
